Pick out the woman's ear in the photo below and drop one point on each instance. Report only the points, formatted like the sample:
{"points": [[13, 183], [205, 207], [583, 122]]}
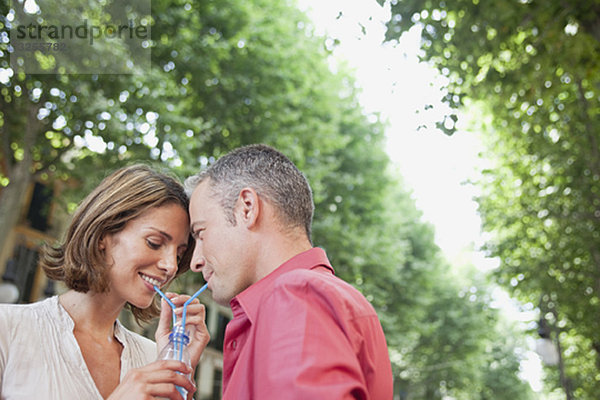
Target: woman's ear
{"points": [[101, 244]]}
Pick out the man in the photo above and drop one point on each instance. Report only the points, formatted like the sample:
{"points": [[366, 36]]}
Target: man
{"points": [[298, 332]]}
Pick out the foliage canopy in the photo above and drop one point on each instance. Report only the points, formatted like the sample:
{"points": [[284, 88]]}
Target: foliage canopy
{"points": [[533, 68], [231, 72]]}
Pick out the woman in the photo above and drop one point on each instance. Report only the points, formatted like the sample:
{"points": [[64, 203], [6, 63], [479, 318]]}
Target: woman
{"points": [[129, 234]]}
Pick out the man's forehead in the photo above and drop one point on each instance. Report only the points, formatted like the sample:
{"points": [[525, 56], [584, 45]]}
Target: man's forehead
{"points": [[202, 190], [202, 202]]}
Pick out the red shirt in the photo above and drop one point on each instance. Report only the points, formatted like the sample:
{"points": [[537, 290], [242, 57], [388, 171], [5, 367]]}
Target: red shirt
{"points": [[302, 333]]}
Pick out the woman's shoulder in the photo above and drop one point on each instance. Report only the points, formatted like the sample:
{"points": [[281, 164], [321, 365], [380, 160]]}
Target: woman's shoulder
{"points": [[139, 346], [17, 320], [26, 311], [123, 332]]}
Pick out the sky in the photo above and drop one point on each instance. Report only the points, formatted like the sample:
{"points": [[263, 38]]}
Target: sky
{"points": [[395, 84], [434, 166]]}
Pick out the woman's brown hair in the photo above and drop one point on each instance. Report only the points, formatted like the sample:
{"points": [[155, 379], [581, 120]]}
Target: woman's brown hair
{"points": [[119, 198]]}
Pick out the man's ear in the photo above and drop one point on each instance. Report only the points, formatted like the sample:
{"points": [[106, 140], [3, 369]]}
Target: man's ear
{"points": [[248, 207]]}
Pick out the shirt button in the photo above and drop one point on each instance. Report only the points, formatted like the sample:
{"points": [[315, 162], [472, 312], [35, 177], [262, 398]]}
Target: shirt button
{"points": [[234, 344]]}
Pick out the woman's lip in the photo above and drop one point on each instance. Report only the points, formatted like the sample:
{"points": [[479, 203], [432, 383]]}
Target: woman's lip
{"points": [[158, 282], [148, 285]]}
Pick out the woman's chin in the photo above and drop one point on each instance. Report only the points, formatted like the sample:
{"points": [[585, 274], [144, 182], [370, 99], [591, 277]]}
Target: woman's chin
{"points": [[142, 304]]}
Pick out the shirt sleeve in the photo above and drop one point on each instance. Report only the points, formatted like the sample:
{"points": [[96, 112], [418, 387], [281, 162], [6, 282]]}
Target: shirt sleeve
{"points": [[306, 347], [5, 335]]}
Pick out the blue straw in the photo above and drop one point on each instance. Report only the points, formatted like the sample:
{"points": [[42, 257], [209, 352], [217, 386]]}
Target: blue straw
{"points": [[183, 316], [168, 301], [185, 305]]}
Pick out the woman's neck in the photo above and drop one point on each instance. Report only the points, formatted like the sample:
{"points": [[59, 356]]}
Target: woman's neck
{"points": [[91, 313]]}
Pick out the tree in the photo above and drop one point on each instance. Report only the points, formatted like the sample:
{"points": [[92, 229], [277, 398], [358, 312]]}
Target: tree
{"points": [[50, 121], [233, 72], [464, 349], [532, 68], [210, 100]]}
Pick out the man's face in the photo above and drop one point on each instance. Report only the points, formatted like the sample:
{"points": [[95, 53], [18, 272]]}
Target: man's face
{"points": [[221, 248]]}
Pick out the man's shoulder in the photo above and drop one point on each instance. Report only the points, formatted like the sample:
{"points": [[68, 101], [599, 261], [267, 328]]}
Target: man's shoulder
{"points": [[316, 276], [322, 285]]}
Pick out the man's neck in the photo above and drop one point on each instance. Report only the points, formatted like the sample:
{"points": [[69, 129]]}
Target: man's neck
{"points": [[277, 251]]}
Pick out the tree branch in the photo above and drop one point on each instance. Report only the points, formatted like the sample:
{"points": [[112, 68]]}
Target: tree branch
{"points": [[6, 150], [589, 129], [45, 166]]}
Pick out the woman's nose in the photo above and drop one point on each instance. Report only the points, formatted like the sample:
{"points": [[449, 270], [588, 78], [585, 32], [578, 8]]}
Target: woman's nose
{"points": [[169, 264]]}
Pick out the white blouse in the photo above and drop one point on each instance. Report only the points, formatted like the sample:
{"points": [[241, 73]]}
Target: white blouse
{"points": [[40, 357]]}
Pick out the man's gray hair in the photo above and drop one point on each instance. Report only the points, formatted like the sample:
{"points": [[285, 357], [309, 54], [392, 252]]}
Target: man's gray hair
{"points": [[271, 174]]}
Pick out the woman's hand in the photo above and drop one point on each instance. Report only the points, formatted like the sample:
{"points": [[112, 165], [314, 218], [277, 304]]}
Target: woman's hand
{"points": [[156, 380], [195, 322]]}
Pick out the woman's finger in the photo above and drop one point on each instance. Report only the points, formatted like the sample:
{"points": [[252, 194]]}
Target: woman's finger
{"points": [[159, 379]]}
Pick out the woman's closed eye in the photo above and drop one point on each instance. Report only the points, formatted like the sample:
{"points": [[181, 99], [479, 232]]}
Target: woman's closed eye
{"points": [[153, 245]]}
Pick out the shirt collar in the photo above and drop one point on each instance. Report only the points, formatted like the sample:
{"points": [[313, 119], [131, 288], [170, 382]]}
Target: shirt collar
{"points": [[67, 323], [249, 300]]}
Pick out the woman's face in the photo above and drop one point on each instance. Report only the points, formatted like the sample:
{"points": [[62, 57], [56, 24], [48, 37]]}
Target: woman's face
{"points": [[146, 253]]}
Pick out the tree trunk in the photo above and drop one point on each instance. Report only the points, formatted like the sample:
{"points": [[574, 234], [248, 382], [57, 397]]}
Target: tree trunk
{"points": [[20, 175], [11, 200], [565, 382]]}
